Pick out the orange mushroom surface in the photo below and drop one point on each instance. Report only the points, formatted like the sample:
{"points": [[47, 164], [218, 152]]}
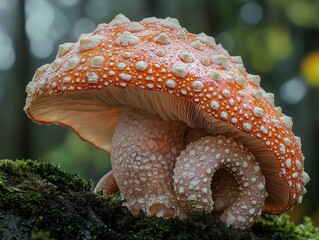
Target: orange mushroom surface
{"points": [[187, 127]]}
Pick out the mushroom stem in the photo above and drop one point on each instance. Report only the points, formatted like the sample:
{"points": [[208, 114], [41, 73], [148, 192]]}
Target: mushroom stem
{"points": [[107, 184], [196, 167], [144, 152]]}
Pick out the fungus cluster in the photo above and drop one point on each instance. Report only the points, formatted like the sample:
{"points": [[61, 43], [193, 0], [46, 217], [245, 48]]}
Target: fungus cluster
{"points": [[178, 115]]}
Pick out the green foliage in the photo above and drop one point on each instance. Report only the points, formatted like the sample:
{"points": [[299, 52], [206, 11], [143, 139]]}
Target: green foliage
{"points": [[41, 201]]}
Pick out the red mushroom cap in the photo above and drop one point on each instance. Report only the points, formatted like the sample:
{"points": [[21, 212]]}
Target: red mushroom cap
{"points": [[158, 66]]}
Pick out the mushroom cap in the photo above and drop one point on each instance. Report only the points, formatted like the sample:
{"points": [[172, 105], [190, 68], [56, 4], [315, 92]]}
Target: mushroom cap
{"points": [[157, 65]]}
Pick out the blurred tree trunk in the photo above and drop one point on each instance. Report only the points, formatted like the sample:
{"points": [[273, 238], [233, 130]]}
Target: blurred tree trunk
{"points": [[17, 146]]}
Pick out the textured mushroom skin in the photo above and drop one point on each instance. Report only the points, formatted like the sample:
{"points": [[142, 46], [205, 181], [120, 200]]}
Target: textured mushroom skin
{"points": [[143, 158], [194, 171], [157, 57]]}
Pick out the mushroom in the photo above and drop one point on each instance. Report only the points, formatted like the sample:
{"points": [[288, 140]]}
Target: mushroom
{"points": [[187, 127]]}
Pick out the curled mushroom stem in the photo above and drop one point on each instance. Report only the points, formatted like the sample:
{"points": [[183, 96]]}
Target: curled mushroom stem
{"points": [[198, 165], [144, 151], [107, 184]]}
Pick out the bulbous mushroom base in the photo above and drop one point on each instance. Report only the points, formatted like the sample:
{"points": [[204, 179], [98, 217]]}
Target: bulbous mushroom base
{"points": [[195, 169], [144, 151]]}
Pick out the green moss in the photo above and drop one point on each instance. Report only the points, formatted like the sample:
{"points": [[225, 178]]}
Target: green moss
{"points": [[41, 201]]}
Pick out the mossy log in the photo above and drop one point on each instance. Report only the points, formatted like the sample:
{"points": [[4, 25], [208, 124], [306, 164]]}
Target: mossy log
{"points": [[41, 201]]}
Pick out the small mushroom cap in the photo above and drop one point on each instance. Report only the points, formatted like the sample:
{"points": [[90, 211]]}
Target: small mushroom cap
{"points": [[157, 65]]}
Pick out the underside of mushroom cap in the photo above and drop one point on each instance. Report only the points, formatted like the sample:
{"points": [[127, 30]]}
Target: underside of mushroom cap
{"points": [[158, 66]]}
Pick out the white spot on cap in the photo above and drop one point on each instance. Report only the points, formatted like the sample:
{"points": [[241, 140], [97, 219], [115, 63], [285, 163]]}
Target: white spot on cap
{"points": [[97, 61], [38, 73], [214, 105], [119, 19], [221, 60], [258, 112], [237, 59], [300, 199], [92, 77], [127, 39], [282, 148], [276, 123], [171, 23], [150, 20], [258, 94], [71, 63], [270, 97], [121, 66], [215, 75], [186, 57], [224, 115], [56, 65], [197, 85], [298, 140], [179, 70], [209, 41], [88, 41], [135, 27], [278, 110], [205, 61], [287, 121], [162, 39], [255, 79], [64, 48], [247, 127], [126, 55], [234, 120], [150, 85], [101, 27], [126, 77], [67, 79], [305, 178], [141, 65], [160, 52], [295, 175], [226, 93], [240, 80], [298, 164], [288, 163], [263, 129], [170, 83], [183, 91], [181, 34], [197, 45]]}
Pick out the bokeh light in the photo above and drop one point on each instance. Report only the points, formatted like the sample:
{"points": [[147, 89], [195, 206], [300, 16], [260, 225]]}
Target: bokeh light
{"points": [[7, 53], [7, 4], [95, 9], [251, 13], [310, 68], [42, 48], [83, 25], [39, 17], [68, 3], [293, 90]]}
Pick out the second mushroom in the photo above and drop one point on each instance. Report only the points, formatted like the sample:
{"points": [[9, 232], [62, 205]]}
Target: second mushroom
{"points": [[187, 127]]}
